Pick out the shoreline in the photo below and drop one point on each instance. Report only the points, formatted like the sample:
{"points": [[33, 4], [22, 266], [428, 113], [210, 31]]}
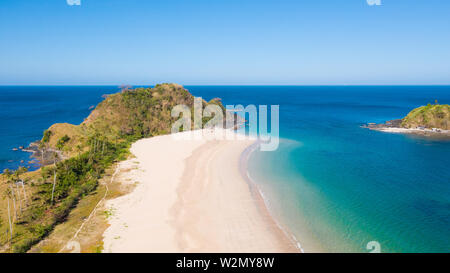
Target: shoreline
{"points": [[424, 133], [411, 131], [394, 127], [261, 199], [202, 204]]}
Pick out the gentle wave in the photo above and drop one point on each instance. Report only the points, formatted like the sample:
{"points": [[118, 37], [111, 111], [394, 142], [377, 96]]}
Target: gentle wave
{"points": [[253, 184]]}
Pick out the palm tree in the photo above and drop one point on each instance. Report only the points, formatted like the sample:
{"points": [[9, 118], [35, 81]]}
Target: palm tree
{"points": [[17, 175], [18, 198], [93, 147], [10, 223], [20, 171], [42, 150], [24, 193], [7, 174], [54, 175], [103, 145], [11, 190]]}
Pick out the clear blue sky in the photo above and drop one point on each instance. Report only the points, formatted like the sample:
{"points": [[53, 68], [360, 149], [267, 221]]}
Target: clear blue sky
{"points": [[224, 42]]}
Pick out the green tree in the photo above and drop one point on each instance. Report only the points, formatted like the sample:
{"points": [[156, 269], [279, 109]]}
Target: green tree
{"points": [[7, 175], [47, 135], [62, 141]]}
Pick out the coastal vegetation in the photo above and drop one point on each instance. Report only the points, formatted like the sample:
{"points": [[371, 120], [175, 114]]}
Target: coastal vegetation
{"points": [[33, 203], [429, 116], [430, 120]]}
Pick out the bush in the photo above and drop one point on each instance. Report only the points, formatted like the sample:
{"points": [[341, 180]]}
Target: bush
{"points": [[62, 141], [47, 135]]}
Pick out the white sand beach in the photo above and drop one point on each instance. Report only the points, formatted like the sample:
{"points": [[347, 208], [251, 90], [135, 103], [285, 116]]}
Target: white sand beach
{"points": [[190, 197], [413, 131]]}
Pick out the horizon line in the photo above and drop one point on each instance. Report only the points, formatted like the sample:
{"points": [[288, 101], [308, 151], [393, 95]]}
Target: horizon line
{"points": [[138, 85]]}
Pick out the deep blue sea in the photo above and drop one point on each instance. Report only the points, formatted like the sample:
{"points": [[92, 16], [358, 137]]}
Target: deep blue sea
{"points": [[333, 185]]}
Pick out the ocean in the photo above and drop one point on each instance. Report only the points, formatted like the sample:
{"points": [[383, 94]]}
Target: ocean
{"points": [[333, 185]]}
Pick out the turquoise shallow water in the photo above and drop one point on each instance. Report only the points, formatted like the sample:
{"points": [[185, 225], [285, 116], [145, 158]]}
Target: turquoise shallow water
{"points": [[337, 186], [334, 185]]}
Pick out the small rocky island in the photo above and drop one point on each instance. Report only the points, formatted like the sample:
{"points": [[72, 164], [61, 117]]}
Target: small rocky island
{"points": [[429, 120]]}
